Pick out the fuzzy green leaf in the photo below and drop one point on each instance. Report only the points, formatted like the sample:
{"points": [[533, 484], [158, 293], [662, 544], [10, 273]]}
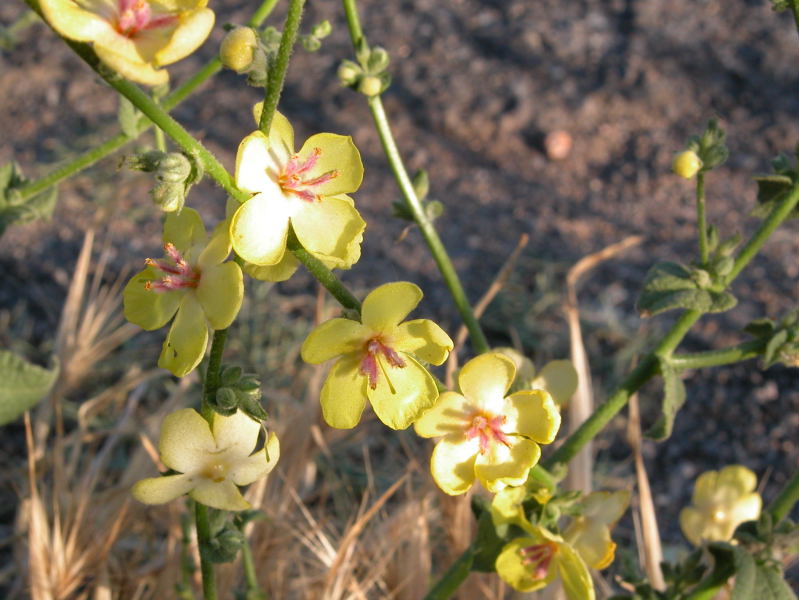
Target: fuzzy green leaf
{"points": [[745, 574], [22, 385], [673, 399], [128, 117], [769, 585]]}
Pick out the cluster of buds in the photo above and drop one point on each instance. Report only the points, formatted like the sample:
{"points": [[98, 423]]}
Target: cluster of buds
{"points": [[238, 391], [175, 175], [368, 75]]}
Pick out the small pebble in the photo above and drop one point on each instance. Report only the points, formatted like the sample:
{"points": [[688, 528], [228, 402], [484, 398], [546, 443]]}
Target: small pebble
{"points": [[558, 144]]}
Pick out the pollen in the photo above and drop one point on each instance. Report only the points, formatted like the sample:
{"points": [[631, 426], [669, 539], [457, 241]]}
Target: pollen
{"points": [[215, 472], [488, 429]]}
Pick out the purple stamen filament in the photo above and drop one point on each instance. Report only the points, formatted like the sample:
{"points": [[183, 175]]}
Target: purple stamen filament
{"points": [[291, 179], [369, 363], [488, 429], [178, 274], [135, 16], [539, 557]]}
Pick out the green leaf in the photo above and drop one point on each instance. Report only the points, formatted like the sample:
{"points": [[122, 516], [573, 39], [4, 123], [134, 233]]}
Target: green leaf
{"points": [[770, 585], [670, 285], [760, 328], [22, 385], [488, 545], [771, 355], [13, 209], [673, 399], [128, 116], [745, 575]]}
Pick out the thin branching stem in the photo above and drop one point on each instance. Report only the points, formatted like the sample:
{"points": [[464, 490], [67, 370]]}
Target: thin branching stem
{"points": [[277, 70], [701, 221], [203, 525], [716, 358], [787, 499]]}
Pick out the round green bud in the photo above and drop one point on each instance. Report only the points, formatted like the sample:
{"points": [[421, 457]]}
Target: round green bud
{"points": [[237, 49], [174, 168], [348, 73], [686, 164], [169, 197], [370, 86]]}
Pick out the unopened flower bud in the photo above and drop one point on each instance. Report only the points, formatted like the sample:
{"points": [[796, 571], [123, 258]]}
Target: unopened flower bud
{"points": [[174, 168], [237, 49], [226, 401], [169, 197], [349, 72], [378, 60], [370, 86], [686, 164]]}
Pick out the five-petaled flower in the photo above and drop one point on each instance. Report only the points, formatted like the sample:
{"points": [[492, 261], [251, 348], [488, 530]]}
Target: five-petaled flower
{"points": [[487, 435], [134, 37], [193, 284], [305, 191], [379, 359], [211, 461], [722, 500]]}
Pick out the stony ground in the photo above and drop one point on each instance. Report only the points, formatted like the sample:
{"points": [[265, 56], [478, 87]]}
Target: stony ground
{"points": [[478, 85]]}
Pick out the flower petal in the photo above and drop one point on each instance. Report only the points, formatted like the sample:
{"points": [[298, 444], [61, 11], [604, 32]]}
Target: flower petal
{"points": [[130, 67], [692, 523], [592, 542], [258, 165], [259, 229], [537, 414], [220, 292], [339, 154], [281, 134], [186, 441], [738, 478], [486, 379], [512, 569], [184, 230], [606, 507], [75, 23], [194, 28], [343, 395], [158, 490], [287, 266], [502, 465], [402, 393], [223, 495], [147, 308], [236, 435], [746, 508], [424, 339], [452, 464], [333, 338], [574, 574], [187, 339], [386, 306], [331, 228], [218, 247], [448, 416], [258, 465], [559, 378]]}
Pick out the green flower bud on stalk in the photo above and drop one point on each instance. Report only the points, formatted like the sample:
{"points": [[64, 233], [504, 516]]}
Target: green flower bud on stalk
{"points": [[238, 49], [349, 72], [370, 86], [686, 164]]}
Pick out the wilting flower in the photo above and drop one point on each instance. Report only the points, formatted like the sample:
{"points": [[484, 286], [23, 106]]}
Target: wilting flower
{"points": [[305, 190], [589, 533], [533, 562], [134, 37], [722, 500], [193, 284], [486, 434], [212, 461], [379, 359]]}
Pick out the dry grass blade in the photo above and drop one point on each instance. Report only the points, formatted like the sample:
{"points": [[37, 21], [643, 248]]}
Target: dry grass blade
{"points": [[479, 308], [651, 546], [582, 403]]}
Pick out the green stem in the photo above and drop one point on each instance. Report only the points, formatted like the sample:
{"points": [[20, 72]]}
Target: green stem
{"points": [[716, 358], [707, 593], [322, 274], [211, 384], [787, 499], [353, 22], [454, 577], [203, 541], [118, 141], [700, 218], [250, 578], [429, 233], [277, 70]]}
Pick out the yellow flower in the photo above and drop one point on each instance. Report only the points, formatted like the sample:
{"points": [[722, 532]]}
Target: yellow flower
{"points": [[589, 533], [379, 359], [305, 190], [212, 461], [722, 501], [533, 562], [487, 435], [134, 37], [686, 164]]}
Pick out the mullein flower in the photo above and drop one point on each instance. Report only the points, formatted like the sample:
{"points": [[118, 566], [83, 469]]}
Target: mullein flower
{"points": [[487, 435], [134, 37], [305, 190], [589, 533], [192, 284], [722, 500], [379, 359], [211, 460]]}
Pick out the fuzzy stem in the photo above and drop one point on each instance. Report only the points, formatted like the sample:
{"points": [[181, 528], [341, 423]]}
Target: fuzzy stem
{"points": [[788, 497], [250, 578], [180, 93], [211, 384], [277, 71], [203, 540], [701, 222], [716, 358]]}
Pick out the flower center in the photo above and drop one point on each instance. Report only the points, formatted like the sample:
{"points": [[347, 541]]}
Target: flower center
{"points": [[719, 516], [539, 557], [135, 16], [488, 428], [370, 365], [178, 274], [292, 179], [215, 472]]}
